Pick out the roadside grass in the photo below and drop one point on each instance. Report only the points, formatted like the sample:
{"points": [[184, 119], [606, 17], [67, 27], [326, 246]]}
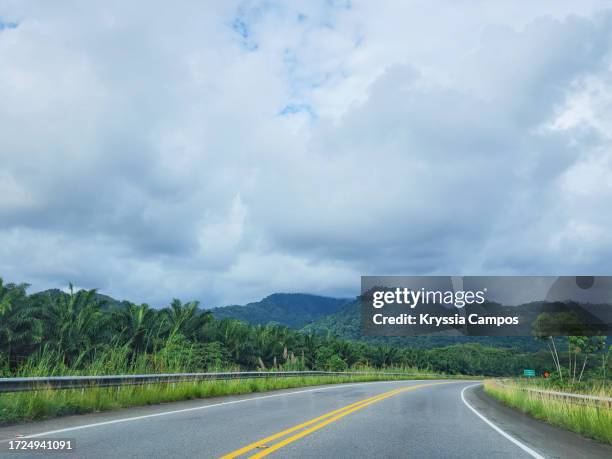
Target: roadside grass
{"points": [[595, 387], [43, 404], [587, 419]]}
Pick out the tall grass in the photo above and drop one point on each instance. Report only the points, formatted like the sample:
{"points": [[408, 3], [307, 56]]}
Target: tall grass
{"points": [[589, 386], [42, 404], [113, 360], [588, 419], [116, 359]]}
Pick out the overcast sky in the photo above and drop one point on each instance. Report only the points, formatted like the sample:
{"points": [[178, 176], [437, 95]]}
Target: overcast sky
{"points": [[222, 150]]}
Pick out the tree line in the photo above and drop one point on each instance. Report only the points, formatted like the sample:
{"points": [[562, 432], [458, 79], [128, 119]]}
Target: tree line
{"points": [[75, 332]]}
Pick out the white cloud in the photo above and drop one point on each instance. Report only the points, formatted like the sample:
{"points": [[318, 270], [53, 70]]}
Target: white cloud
{"points": [[228, 150]]}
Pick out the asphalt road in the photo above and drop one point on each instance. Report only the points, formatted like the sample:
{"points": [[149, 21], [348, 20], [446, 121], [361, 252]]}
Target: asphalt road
{"points": [[414, 419]]}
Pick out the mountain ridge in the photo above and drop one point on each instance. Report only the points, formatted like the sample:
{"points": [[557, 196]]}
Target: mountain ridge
{"points": [[319, 314], [294, 310]]}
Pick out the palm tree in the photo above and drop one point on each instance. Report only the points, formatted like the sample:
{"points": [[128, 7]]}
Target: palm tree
{"points": [[20, 329], [74, 324], [306, 346], [186, 319], [267, 347], [135, 326], [238, 340]]}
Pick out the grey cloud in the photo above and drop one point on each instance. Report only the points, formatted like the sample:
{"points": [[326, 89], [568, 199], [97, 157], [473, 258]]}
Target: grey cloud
{"points": [[143, 151]]}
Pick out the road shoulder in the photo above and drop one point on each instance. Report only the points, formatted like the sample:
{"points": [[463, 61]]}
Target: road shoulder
{"points": [[548, 440]]}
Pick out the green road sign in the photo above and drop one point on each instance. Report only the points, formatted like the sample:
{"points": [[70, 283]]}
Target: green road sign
{"points": [[529, 373]]}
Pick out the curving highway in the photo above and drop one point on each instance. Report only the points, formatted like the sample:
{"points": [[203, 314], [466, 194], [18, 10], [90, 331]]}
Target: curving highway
{"points": [[414, 419]]}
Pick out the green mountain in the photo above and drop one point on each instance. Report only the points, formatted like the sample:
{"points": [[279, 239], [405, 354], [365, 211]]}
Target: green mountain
{"points": [[294, 310], [105, 301], [324, 315], [346, 323]]}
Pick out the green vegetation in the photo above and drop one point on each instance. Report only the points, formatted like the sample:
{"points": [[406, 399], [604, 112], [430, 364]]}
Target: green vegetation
{"points": [[82, 332], [294, 310], [587, 419], [346, 323], [591, 386], [583, 368], [29, 406], [579, 347], [58, 333]]}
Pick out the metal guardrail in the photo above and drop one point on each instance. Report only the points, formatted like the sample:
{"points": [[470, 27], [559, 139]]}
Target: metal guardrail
{"points": [[82, 382], [566, 396]]}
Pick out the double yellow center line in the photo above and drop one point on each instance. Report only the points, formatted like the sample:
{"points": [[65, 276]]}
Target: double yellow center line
{"points": [[308, 427]]}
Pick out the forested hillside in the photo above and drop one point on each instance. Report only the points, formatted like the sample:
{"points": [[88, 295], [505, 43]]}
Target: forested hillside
{"points": [[294, 310], [322, 316], [78, 332], [346, 323]]}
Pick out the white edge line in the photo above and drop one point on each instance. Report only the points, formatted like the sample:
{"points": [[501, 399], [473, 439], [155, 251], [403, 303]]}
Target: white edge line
{"points": [[203, 407], [521, 445]]}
